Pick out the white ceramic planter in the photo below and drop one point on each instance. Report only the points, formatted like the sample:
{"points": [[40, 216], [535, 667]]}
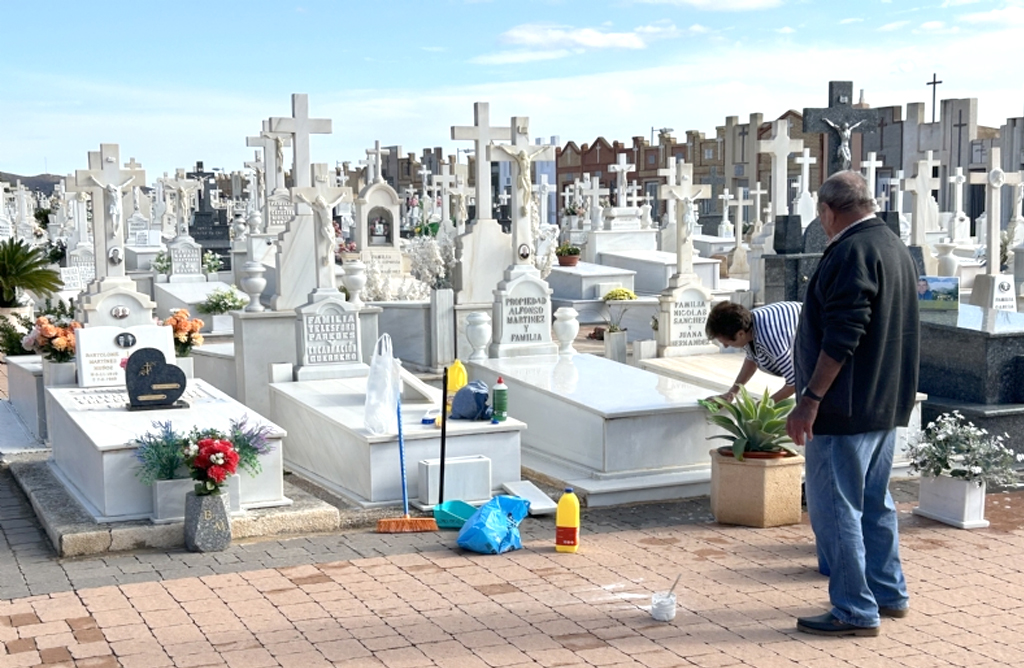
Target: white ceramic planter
{"points": [[56, 374], [266, 489], [952, 501], [187, 365], [169, 498]]}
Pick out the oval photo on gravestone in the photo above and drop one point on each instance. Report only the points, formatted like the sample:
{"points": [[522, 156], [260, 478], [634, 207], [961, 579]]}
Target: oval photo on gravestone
{"points": [[153, 383]]}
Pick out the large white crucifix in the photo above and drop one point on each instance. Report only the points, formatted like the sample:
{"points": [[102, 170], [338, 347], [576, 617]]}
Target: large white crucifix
{"points": [[375, 163], [273, 145], [681, 189], [322, 198], [779, 147], [482, 134], [300, 126], [183, 189], [994, 180], [621, 169], [591, 189], [520, 155], [108, 181], [443, 183]]}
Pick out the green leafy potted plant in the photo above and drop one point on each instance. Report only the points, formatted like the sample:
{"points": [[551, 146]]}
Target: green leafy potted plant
{"points": [[24, 267], [957, 461], [211, 265], [161, 266], [755, 481], [218, 303], [568, 255]]}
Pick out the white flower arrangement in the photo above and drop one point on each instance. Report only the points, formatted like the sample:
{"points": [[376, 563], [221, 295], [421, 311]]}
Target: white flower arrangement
{"points": [[954, 447]]}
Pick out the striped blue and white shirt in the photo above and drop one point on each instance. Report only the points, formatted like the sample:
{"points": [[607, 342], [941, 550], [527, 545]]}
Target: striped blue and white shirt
{"points": [[774, 330]]}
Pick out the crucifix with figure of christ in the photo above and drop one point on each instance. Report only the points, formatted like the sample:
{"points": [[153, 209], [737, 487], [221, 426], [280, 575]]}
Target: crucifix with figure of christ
{"points": [[838, 121], [322, 198], [682, 190], [520, 155], [273, 144], [107, 180]]}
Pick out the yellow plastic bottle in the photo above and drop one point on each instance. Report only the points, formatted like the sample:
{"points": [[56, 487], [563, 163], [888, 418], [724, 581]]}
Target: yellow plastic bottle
{"points": [[567, 522], [457, 379]]}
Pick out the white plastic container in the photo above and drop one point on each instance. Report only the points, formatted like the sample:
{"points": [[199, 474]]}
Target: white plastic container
{"points": [[663, 606]]}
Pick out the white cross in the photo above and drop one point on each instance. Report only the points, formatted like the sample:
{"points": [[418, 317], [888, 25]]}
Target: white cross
{"points": [[481, 133], [424, 175], [543, 189], [897, 191], [805, 161], [592, 189], [443, 184], [183, 188], [106, 176], [375, 162], [461, 194], [725, 197], [300, 126], [779, 147], [504, 197], [958, 180], [922, 186], [994, 180], [322, 198], [870, 166], [756, 193], [621, 169], [633, 195]]}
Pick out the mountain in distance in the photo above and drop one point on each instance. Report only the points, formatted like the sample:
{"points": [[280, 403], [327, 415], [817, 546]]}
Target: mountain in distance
{"points": [[44, 182]]}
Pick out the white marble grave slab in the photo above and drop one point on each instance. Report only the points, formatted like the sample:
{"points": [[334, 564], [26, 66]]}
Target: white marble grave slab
{"points": [[654, 269], [587, 280], [170, 297], [100, 351]]}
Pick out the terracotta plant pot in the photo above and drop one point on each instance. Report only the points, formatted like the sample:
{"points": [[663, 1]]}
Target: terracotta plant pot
{"points": [[726, 451], [568, 260]]}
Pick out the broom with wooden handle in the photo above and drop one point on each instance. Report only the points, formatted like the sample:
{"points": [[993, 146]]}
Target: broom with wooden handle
{"points": [[404, 524]]}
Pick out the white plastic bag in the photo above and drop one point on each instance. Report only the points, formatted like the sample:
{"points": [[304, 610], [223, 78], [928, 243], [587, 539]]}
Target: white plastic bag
{"points": [[382, 387]]}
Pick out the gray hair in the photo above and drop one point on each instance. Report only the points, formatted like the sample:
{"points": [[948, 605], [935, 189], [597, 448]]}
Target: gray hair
{"points": [[846, 192]]}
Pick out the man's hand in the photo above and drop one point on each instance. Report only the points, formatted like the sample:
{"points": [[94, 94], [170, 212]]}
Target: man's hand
{"points": [[728, 396], [800, 423]]}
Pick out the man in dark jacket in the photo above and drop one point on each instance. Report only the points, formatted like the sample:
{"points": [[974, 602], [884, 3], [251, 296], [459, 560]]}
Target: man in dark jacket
{"points": [[856, 359]]}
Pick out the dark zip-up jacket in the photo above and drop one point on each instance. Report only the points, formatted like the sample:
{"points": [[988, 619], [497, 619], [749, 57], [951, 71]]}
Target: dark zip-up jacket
{"points": [[861, 309]]}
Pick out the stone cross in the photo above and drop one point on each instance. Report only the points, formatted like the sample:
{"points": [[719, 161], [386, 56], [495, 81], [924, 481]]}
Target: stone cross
{"points": [[257, 188], [107, 177], [957, 181], [779, 147], [993, 180], [273, 144], [621, 169], [739, 265], [922, 186], [726, 197], [543, 189], [375, 163], [183, 189], [322, 198], [78, 211], [756, 193], [805, 161], [300, 126], [424, 175], [503, 197], [443, 184], [682, 189], [870, 166], [461, 194], [839, 120], [670, 173], [591, 188], [897, 191], [481, 133], [633, 195], [520, 155]]}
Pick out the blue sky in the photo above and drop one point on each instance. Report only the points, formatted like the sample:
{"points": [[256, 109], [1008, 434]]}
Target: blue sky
{"points": [[177, 82]]}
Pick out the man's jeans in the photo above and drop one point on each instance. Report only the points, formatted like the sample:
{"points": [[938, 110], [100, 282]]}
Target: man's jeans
{"points": [[854, 522]]}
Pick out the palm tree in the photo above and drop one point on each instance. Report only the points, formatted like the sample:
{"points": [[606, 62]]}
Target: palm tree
{"points": [[23, 267]]}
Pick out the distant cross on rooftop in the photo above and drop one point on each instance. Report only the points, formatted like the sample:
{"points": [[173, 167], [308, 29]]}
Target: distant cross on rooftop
{"points": [[934, 83]]}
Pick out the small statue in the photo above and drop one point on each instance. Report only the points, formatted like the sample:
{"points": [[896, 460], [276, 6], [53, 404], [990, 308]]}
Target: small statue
{"points": [[845, 132]]}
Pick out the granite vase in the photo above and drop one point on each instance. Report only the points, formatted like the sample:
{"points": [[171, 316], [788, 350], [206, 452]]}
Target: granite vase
{"points": [[207, 527]]}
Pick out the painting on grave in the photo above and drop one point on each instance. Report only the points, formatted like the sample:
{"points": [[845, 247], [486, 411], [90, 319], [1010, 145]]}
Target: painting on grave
{"points": [[938, 293], [379, 225]]}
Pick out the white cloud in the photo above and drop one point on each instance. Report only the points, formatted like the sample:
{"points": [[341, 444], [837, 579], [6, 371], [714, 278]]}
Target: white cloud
{"points": [[1007, 16], [546, 36], [957, 3], [895, 25], [697, 28], [516, 57], [845, 21], [786, 30], [933, 25], [718, 5]]}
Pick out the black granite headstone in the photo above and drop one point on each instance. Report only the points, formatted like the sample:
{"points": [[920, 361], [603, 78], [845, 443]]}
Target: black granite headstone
{"points": [[709, 224], [892, 220], [815, 238], [788, 235], [152, 383]]}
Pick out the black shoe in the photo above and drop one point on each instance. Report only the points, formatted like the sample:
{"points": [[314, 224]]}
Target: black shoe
{"points": [[828, 625], [896, 613]]}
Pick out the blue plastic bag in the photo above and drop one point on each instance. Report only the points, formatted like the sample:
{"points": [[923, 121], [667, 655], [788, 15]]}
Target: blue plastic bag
{"points": [[470, 402], [494, 527]]}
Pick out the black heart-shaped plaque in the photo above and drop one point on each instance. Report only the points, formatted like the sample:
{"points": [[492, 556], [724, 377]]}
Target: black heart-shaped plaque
{"points": [[152, 382]]}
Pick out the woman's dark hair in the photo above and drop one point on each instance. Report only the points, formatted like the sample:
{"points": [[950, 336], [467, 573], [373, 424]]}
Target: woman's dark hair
{"points": [[727, 319]]}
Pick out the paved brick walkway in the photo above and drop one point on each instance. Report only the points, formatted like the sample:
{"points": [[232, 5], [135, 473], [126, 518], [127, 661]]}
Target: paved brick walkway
{"points": [[409, 600]]}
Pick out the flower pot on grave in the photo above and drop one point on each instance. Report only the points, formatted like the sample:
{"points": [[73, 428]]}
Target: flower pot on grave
{"points": [[755, 492], [187, 366], [265, 489], [56, 374], [568, 260], [160, 278], [169, 498], [953, 501], [207, 527], [615, 345]]}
